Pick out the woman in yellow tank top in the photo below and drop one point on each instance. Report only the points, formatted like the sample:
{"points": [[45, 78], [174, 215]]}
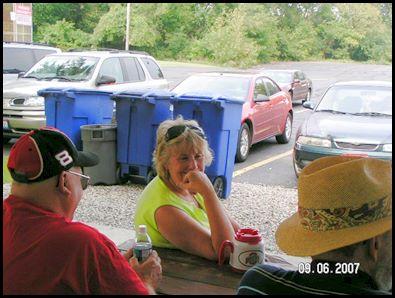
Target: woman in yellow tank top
{"points": [[179, 206]]}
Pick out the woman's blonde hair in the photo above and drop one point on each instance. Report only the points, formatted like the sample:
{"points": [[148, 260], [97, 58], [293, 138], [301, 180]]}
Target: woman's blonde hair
{"points": [[161, 153]]}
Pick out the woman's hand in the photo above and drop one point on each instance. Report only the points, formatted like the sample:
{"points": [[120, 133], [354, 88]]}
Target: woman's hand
{"points": [[197, 182]]}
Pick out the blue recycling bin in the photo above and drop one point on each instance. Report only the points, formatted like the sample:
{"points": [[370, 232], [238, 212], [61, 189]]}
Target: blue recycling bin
{"points": [[220, 119], [138, 115], [69, 108]]}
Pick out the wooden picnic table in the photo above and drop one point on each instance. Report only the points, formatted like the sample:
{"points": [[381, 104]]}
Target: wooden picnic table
{"points": [[186, 274]]}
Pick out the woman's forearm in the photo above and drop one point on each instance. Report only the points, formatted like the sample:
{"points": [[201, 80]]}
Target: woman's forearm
{"points": [[220, 224], [235, 225]]}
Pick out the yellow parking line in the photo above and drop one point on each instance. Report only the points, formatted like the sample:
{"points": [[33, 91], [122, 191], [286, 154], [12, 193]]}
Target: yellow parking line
{"points": [[301, 111], [261, 163]]}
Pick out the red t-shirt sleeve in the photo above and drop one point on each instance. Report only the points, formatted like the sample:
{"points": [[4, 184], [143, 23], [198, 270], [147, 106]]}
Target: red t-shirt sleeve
{"points": [[106, 270]]}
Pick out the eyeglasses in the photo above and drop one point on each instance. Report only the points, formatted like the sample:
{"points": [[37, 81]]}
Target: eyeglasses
{"points": [[175, 131], [84, 179]]}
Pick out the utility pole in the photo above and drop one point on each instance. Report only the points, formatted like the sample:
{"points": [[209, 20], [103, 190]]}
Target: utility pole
{"points": [[127, 26]]}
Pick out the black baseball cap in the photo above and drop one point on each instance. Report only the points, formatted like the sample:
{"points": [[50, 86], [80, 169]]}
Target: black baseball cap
{"points": [[44, 153]]}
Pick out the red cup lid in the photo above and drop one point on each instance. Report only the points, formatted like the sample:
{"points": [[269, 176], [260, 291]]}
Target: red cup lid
{"points": [[248, 235]]}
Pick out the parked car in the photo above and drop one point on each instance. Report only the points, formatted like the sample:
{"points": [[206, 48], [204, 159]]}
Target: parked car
{"points": [[352, 118], [294, 81], [112, 71], [267, 110], [19, 57]]}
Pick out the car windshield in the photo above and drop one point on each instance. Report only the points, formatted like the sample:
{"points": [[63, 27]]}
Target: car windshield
{"points": [[358, 100], [279, 77], [71, 68], [225, 86]]}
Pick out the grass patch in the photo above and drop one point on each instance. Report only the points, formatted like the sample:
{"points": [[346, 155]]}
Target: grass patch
{"points": [[6, 174]]}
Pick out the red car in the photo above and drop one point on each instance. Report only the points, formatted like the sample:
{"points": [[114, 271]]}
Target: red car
{"points": [[299, 86], [267, 110]]}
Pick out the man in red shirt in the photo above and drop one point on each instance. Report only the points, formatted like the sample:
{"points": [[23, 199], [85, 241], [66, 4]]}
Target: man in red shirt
{"points": [[44, 251]]}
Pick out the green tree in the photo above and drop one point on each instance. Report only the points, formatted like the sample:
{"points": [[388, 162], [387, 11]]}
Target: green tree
{"points": [[64, 35], [50, 13], [386, 12], [111, 28], [143, 29], [226, 42], [324, 13], [237, 34], [299, 43], [84, 16], [371, 41], [261, 28]]}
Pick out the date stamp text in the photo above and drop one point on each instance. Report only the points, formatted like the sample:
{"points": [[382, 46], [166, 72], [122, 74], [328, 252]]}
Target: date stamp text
{"points": [[325, 268]]}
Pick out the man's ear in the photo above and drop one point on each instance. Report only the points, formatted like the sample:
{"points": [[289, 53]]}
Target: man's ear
{"points": [[373, 248], [63, 184]]}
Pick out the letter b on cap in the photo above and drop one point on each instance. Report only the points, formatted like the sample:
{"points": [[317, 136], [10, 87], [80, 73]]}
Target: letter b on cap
{"points": [[64, 158]]}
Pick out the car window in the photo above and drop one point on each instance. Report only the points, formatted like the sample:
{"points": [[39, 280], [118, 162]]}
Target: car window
{"points": [[357, 99], [260, 88], [153, 68], [40, 53], [112, 67], [271, 87], [71, 67], [206, 85], [16, 60], [280, 77], [134, 71], [300, 75]]}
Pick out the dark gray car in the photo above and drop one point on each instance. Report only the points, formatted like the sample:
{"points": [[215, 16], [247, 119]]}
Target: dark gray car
{"points": [[352, 118]]}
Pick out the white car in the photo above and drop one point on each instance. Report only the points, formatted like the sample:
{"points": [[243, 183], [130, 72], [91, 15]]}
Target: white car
{"points": [[112, 70], [19, 57]]}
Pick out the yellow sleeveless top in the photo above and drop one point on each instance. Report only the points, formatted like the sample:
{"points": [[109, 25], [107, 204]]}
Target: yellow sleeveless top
{"points": [[156, 194]]}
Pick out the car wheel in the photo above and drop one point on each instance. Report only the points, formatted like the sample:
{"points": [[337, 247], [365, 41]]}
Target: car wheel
{"points": [[219, 186], [287, 132], [308, 96], [243, 144]]}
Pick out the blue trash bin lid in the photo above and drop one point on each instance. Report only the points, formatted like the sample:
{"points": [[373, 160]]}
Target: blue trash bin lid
{"points": [[48, 91], [145, 95], [194, 98], [70, 92]]}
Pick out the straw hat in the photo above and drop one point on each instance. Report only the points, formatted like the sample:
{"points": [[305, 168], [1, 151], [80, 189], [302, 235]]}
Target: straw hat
{"points": [[341, 201]]}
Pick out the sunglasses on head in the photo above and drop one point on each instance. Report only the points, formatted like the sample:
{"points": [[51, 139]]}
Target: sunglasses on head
{"points": [[175, 131], [84, 179]]}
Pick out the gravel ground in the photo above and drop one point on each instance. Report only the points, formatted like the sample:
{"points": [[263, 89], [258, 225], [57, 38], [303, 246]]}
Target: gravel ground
{"points": [[257, 206]]}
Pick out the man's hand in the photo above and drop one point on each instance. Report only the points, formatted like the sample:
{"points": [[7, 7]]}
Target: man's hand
{"points": [[128, 254], [150, 271]]}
